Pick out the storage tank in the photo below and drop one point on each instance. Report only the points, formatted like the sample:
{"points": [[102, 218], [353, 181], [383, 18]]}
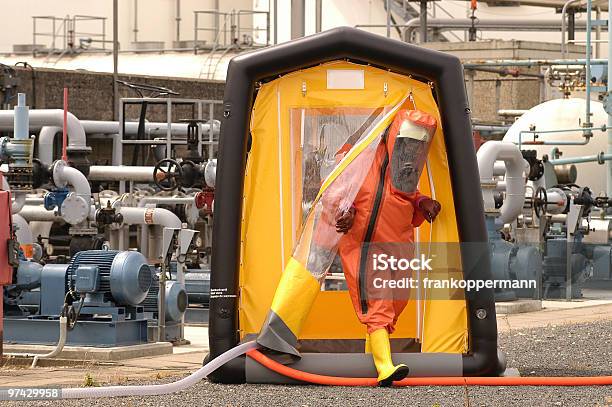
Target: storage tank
{"points": [[560, 114]]}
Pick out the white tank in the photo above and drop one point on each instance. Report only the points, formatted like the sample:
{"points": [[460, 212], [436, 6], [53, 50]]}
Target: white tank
{"points": [[560, 114]]}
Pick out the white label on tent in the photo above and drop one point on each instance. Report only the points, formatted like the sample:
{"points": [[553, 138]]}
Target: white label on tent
{"points": [[345, 79]]}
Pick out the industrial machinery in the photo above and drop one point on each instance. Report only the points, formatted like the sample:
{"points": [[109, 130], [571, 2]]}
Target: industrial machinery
{"points": [[113, 265], [99, 291], [543, 227]]}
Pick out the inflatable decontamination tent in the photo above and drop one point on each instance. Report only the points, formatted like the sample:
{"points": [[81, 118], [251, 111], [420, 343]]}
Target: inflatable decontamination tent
{"points": [[288, 112]]}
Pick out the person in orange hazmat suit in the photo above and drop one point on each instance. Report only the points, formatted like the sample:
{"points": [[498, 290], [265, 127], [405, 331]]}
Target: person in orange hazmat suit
{"points": [[386, 209]]}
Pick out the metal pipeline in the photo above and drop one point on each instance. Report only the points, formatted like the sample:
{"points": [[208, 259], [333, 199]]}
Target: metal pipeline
{"points": [[512, 112], [64, 175], [600, 158], [490, 128], [533, 62], [609, 88], [49, 117], [19, 198], [499, 168], [515, 165], [21, 123], [451, 24], [48, 133], [152, 128], [35, 213], [46, 137], [563, 29], [18, 202], [121, 173], [23, 232], [587, 134], [587, 69], [149, 217], [515, 73], [166, 200]]}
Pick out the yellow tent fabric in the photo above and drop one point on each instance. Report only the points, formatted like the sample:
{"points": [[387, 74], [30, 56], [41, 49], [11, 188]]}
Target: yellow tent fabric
{"points": [[272, 212]]}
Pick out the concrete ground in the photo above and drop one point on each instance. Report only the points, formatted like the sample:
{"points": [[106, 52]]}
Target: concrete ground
{"points": [[554, 341], [186, 358]]}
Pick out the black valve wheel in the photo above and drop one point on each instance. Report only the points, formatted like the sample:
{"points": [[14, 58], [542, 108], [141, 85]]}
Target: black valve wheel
{"points": [[540, 201], [168, 174]]}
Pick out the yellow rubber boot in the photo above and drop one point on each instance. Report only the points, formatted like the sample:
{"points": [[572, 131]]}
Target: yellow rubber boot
{"points": [[381, 352], [368, 345]]}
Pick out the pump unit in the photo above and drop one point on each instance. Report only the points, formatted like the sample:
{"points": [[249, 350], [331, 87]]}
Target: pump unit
{"points": [[101, 291]]}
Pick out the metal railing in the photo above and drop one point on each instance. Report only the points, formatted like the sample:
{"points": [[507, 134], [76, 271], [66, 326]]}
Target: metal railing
{"points": [[66, 34], [407, 11], [229, 29], [200, 109]]}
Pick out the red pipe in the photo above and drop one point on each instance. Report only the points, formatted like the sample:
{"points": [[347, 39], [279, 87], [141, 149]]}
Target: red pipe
{"points": [[64, 134], [428, 381]]}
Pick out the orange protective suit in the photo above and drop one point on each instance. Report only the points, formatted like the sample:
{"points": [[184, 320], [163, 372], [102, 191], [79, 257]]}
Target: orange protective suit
{"points": [[383, 214]]}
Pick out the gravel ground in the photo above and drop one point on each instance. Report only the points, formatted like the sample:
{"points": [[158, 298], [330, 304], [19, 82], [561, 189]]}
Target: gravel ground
{"points": [[568, 350]]}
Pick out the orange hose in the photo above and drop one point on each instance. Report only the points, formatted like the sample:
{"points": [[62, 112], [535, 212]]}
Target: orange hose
{"points": [[428, 381]]}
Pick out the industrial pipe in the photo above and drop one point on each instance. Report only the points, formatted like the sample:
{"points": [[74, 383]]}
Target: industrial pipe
{"points": [[600, 158], [76, 208], [121, 173], [36, 213], [563, 14], [451, 24], [21, 124], [587, 133], [19, 198], [487, 155], [152, 128], [23, 233], [490, 128], [48, 133], [587, 71], [507, 72], [150, 216], [499, 168], [166, 200], [46, 137], [64, 175], [534, 62], [609, 89], [49, 117], [18, 202], [511, 112]]}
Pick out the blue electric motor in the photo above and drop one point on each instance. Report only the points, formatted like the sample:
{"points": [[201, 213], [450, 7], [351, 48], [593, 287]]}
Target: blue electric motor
{"points": [[123, 277]]}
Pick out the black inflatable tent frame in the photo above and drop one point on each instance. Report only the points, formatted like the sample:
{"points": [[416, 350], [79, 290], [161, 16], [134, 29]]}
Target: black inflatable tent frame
{"points": [[446, 74]]}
